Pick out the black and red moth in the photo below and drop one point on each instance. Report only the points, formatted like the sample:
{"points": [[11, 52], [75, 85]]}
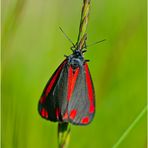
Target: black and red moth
{"points": [[69, 94]]}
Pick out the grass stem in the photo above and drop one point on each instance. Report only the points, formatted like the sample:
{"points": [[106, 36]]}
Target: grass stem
{"points": [[64, 128], [63, 134], [124, 135]]}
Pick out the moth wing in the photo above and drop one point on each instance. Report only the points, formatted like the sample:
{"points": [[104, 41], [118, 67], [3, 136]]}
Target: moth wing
{"points": [[53, 102], [81, 107]]}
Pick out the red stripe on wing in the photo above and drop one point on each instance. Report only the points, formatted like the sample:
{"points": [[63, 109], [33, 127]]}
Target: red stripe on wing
{"points": [[42, 99], [65, 116], [44, 113], [72, 77], [52, 81], [73, 113], [90, 89]]}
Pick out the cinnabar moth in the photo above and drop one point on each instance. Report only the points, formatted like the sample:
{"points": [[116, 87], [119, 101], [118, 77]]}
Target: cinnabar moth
{"points": [[69, 94]]}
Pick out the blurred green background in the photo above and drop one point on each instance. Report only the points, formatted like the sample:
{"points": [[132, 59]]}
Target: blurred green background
{"points": [[33, 47]]}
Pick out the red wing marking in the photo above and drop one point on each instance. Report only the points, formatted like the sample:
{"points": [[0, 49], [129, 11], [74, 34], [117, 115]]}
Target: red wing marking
{"points": [[72, 77], [54, 79], [44, 113], [65, 115], [90, 89], [42, 100], [73, 113], [85, 120]]}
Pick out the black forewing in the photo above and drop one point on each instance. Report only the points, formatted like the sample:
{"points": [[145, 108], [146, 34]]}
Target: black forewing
{"points": [[55, 100]]}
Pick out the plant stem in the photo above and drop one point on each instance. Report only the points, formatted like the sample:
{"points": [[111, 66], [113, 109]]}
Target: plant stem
{"points": [[124, 135], [63, 134], [64, 128], [82, 36]]}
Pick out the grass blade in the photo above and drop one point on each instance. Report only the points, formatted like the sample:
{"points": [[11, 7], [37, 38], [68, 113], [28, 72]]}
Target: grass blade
{"points": [[124, 135]]}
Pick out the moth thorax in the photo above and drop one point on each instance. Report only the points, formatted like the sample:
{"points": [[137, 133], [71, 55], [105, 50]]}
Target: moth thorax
{"points": [[76, 62]]}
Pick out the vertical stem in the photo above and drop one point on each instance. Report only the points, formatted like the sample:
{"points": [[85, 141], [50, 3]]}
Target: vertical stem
{"points": [[63, 134], [83, 24], [64, 128]]}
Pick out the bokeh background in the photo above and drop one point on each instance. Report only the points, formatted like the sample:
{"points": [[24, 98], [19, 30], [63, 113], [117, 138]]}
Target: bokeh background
{"points": [[33, 47]]}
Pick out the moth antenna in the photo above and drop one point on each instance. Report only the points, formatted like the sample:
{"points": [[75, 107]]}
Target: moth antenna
{"points": [[67, 36], [96, 43]]}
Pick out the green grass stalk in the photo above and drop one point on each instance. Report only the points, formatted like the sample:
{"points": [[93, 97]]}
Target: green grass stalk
{"points": [[82, 36], [124, 135], [64, 128], [63, 134]]}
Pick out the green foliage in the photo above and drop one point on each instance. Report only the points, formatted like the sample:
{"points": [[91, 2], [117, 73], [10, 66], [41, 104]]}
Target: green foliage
{"points": [[33, 47]]}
